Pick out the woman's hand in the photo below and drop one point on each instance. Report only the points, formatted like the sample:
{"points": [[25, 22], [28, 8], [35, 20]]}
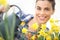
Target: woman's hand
{"points": [[2, 8], [28, 36]]}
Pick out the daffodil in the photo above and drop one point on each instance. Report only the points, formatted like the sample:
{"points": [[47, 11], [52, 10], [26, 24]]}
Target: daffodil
{"points": [[34, 26], [43, 26], [55, 28], [33, 37], [55, 38], [22, 23], [48, 37], [41, 32], [51, 20], [56, 20], [3, 2], [24, 30], [50, 32], [1, 38]]}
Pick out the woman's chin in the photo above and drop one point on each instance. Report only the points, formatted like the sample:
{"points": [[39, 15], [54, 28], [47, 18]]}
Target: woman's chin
{"points": [[42, 22]]}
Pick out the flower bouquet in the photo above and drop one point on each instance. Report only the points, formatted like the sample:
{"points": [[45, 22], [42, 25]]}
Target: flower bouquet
{"points": [[44, 33]]}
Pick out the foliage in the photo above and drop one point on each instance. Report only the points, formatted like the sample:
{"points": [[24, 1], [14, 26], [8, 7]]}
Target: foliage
{"points": [[7, 27], [41, 34]]}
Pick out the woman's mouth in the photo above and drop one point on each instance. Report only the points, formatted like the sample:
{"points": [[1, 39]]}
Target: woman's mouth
{"points": [[42, 18]]}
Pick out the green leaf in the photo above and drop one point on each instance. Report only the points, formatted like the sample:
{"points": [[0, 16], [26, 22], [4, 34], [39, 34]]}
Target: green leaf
{"points": [[59, 36], [52, 36], [6, 27], [12, 27], [41, 38]]}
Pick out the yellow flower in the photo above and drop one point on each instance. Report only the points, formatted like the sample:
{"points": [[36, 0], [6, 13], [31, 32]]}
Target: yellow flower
{"points": [[24, 30], [55, 38], [1, 38], [54, 28], [51, 20], [3, 2], [43, 26], [38, 36], [34, 26], [48, 38], [45, 35], [50, 32], [59, 28], [33, 37], [56, 20], [22, 23], [41, 32]]}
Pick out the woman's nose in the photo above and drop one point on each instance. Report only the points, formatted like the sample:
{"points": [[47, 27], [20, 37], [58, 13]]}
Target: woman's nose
{"points": [[42, 12]]}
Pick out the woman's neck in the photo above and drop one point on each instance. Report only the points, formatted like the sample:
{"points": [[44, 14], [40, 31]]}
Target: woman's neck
{"points": [[32, 22]]}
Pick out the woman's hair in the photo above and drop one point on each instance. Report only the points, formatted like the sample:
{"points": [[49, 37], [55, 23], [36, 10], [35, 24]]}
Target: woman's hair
{"points": [[51, 1]]}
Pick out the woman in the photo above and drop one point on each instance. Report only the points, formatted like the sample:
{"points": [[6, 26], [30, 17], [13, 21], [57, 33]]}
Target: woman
{"points": [[43, 11], [24, 24]]}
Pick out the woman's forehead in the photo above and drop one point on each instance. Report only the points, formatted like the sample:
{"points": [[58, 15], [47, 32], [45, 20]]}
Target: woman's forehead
{"points": [[41, 0], [42, 3], [45, 0]]}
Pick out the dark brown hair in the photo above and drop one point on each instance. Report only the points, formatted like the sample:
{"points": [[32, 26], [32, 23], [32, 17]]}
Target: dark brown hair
{"points": [[51, 1]]}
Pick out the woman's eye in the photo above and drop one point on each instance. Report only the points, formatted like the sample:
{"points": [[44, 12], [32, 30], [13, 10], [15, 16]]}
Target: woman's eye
{"points": [[47, 9], [38, 8]]}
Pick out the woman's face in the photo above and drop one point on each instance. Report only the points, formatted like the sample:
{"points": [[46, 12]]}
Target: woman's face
{"points": [[43, 11]]}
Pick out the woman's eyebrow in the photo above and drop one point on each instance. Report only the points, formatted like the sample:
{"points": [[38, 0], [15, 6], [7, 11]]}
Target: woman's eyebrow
{"points": [[38, 6]]}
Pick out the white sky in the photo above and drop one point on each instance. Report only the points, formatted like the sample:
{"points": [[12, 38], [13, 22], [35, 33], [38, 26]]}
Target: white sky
{"points": [[28, 6]]}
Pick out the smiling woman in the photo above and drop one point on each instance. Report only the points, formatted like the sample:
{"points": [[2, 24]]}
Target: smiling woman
{"points": [[29, 27], [44, 9]]}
